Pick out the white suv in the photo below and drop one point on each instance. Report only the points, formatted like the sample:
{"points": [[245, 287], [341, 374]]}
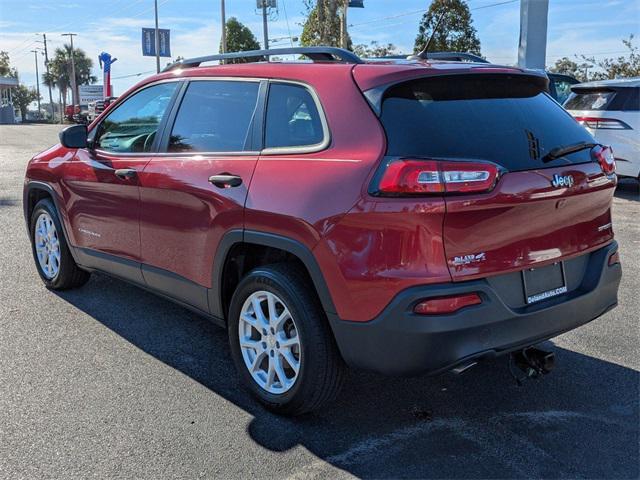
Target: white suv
{"points": [[610, 110]]}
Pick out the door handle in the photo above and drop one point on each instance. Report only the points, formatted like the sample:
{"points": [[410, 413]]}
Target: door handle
{"points": [[125, 173], [225, 180]]}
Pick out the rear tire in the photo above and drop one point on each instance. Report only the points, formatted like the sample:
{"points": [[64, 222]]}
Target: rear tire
{"points": [[286, 341], [53, 260]]}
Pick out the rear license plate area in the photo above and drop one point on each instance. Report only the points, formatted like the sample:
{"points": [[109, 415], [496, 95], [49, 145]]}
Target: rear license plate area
{"points": [[544, 282]]}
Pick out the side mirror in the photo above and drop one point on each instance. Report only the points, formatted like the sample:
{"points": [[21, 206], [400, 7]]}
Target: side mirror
{"points": [[74, 136]]}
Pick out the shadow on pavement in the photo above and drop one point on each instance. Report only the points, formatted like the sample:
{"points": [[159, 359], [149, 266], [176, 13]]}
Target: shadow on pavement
{"points": [[8, 202], [580, 421]]}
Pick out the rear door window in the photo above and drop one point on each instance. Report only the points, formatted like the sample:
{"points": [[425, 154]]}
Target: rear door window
{"points": [[215, 116], [505, 119], [293, 119]]}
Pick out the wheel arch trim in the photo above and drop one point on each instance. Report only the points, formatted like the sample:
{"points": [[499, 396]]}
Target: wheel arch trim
{"points": [[294, 247], [39, 185]]}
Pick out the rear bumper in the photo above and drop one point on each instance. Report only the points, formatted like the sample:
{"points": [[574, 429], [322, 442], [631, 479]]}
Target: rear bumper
{"points": [[399, 342]]}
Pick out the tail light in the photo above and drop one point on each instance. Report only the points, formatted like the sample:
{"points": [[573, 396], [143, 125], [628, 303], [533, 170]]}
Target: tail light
{"points": [[603, 123], [605, 158], [444, 305], [614, 258], [415, 177]]}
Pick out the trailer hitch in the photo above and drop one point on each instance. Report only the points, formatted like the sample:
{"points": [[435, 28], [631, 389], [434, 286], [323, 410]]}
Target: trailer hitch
{"points": [[533, 362]]}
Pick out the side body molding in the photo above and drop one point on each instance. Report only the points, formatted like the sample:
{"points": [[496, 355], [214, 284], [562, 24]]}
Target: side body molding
{"points": [[173, 286], [268, 240]]}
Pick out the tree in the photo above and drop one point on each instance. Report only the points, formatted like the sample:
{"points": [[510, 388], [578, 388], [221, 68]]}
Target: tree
{"points": [[22, 98], [455, 33], [375, 50], [5, 66], [621, 67], [322, 26], [591, 69], [239, 39], [60, 70], [566, 66]]}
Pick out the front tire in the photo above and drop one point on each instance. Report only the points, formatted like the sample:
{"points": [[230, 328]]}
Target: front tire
{"points": [[54, 262], [281, 342]]}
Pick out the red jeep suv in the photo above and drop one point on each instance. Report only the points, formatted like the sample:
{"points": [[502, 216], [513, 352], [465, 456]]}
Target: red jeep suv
{"points": [[404, 217]]}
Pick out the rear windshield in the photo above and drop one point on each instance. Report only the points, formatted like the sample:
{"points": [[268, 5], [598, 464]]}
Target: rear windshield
{"points": [[626, 99], [505, 119], [589, 100]]}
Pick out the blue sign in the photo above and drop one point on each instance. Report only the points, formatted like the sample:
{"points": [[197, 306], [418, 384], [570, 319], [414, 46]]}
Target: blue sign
{"points": [[149, 42], [356, 3]]}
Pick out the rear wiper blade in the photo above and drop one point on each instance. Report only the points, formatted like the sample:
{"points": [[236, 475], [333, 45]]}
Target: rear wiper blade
{"points": [[566, 150]]}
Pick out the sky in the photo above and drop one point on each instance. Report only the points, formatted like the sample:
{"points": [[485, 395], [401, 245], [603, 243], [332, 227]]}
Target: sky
{"points": [[590, 27]]}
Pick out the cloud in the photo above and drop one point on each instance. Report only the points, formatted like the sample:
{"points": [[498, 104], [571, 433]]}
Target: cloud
{"points": [[196, 31]]}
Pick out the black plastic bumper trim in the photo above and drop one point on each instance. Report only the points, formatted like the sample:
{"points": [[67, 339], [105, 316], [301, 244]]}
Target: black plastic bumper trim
{"points": [[399, 342]]}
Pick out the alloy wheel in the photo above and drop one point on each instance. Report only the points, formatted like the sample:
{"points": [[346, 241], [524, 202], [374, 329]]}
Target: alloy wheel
{"points": [[47, 246], [269, 342]]}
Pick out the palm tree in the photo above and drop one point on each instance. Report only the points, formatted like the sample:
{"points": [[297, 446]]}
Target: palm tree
{"points": [[60, 70]]}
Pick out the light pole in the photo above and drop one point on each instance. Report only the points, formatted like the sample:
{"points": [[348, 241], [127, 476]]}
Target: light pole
{"points": [[585, 66], [35, 55], [46, 65], [265, 28], [223, 41], [155, 2], [74, 82]]}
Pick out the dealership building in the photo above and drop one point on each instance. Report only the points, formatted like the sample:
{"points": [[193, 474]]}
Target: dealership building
{"points": [[7, 111]]}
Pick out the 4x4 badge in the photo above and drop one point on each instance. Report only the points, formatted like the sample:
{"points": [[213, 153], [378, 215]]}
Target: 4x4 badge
{"points": [[562, 181], [467, 259]]}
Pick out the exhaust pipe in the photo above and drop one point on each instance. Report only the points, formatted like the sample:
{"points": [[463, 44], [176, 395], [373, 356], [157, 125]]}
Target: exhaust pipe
{"points": [[460, 369], [533, 362]]}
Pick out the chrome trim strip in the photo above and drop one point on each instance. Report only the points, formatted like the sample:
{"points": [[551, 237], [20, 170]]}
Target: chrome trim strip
{"points": [[323, 120], [266, 151], [606, 226]]}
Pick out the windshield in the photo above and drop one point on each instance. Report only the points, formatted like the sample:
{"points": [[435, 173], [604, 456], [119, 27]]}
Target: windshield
{"points": [[505, 119]]}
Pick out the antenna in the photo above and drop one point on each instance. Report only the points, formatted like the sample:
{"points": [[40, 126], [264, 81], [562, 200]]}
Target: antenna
{"points": [[423, 53]]}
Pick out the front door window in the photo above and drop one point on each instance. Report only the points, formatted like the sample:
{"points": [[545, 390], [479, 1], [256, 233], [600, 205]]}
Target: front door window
{"points": [[133, 125]]}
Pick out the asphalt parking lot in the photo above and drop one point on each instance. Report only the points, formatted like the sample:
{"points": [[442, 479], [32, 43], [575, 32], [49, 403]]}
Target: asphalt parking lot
{"points": [[110, 381]]}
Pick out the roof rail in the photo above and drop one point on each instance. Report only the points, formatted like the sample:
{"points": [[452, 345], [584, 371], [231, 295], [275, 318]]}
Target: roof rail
{"points": [[451, 56], [317, 54]]}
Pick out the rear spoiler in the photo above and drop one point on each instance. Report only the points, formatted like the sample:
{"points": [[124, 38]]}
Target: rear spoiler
{"points": [[375, 95]]}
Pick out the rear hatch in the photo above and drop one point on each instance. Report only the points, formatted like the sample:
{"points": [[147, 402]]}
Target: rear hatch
{"points": [[604, 108], [539, 208]]}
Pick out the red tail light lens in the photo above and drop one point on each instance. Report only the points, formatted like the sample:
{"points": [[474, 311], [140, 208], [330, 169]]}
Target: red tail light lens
{"points": [[614, 258], [414, 177], [605, 158], [444, 305], [603, 123]]}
